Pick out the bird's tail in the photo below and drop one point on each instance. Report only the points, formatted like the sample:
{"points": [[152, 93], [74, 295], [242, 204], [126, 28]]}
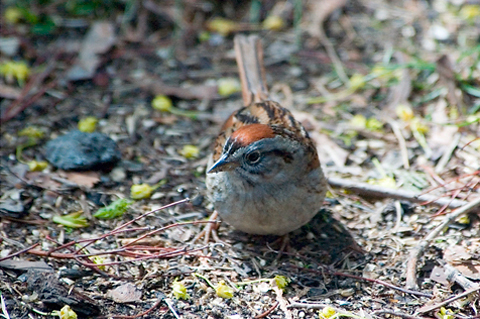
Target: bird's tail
{"points": [[249, 54]]}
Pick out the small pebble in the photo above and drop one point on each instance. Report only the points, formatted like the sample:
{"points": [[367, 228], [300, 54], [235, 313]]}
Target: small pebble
{"points": [[118, 174], [439, 32]]}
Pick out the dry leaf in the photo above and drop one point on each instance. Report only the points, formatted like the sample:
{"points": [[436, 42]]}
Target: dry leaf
{"points": [[125, 293], [463, 259], [87, 179], [98, 40]]}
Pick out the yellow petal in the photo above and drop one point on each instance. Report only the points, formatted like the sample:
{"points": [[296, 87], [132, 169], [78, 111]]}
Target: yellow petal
{"points": [[190, 151], [223, 290], [274, 23], [228, 86], [140, 191], [88, 124], [162, 103]]}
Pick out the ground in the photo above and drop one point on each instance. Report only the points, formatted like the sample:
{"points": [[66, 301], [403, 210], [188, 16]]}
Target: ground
{"points": [[389, 91]]}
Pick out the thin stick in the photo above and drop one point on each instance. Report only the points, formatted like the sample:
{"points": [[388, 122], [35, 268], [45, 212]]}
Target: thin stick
{"points": [[19, 252], [401, 143], [393, 313], [376, 281], [172, 309], [411, 271], [266, 313], [155, 305], [446, 302], [134, 220], [380, 191]]}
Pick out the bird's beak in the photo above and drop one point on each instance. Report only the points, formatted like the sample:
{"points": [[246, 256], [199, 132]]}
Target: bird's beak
{"points": [[223, 165]]}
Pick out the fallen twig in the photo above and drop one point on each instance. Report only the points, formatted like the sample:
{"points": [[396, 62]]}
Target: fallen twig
{"points": [[155, 305], [266, 313], [172, 308], [376, 281], [19, 252], [453, 275], [82, 256], [134, 220], [393, 313], [411, 279], [306, 305], [380, 191], [446, 302]]}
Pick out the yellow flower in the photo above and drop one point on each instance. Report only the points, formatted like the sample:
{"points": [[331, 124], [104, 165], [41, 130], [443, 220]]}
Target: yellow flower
{"points": [[15, 70], [99, 260], [357, 81], [358, 121], [373, 124], [465, 220], [446, 313], [12, 15], [67, 313], [222, 26], [470, 11], [417, 125], [162, 103], [88, 124], [404, 112], [37, 166], [189, 151], [32, 132], [281, 281], [140, 191], [387, 182], [223, 290], [274, 23], [228, 86], [327, 312], [179, 290]]}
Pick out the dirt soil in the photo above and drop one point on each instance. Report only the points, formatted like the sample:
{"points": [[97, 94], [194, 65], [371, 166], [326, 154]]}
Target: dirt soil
{"points": [[388, 90]]}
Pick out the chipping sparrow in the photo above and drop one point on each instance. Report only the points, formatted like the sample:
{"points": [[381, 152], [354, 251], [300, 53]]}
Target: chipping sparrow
{"points": [[264, 176]]}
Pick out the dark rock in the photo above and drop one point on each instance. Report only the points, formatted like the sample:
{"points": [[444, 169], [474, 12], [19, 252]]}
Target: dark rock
{"points": [[82, 151]]}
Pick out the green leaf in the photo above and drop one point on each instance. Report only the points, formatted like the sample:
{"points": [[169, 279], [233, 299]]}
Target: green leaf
{"points": [[475, 91], [73, 220], [115, 209], [44, 28]]}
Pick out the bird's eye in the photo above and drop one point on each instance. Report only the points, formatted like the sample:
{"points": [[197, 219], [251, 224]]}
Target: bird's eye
{"points": [[253, 157]]}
